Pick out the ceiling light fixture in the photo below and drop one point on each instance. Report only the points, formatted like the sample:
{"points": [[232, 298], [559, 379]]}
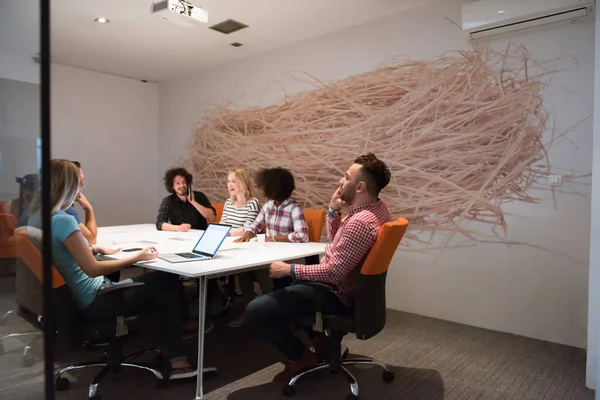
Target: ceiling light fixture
{"points": [[102, 20]]}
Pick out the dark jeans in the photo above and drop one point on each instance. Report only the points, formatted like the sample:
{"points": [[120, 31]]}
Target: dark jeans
{"points": [[162, 294], [267, 316]]}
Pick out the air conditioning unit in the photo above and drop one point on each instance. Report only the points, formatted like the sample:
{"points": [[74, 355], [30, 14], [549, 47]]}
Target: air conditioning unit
{"points": [[179, 12], [486, 18]]}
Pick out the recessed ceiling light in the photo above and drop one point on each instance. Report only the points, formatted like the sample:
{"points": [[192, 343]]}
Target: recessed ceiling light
{"points": [[102, 20], [501, 12]]}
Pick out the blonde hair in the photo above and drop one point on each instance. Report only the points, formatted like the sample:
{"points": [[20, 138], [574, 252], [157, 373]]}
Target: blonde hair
{"points": [[64, 183], [242, 179]]}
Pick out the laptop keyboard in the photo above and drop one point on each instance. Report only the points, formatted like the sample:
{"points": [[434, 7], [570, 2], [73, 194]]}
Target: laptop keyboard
{"points": [[189, 255]]}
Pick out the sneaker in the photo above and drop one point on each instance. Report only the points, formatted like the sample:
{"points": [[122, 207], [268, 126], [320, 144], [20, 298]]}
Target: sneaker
{"points": [[183, 373]]}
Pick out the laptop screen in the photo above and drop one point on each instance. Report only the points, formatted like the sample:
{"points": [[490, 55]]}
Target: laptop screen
{"points": [[211, 239]]}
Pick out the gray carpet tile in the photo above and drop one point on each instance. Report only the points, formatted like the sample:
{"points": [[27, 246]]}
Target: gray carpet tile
{"points": [[431, 359]]}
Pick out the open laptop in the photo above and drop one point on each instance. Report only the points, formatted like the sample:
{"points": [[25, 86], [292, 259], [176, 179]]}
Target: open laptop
{"points": [[206, 247]]}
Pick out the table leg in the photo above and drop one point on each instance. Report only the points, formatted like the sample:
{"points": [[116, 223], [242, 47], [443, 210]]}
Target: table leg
{"points": [[201, 317]]}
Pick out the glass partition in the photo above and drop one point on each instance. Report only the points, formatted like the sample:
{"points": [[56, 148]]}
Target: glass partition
{"points": [[23, 354]]}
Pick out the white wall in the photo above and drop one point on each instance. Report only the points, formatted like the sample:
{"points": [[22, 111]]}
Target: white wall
{"points": [[522, 289], [19, 40], [594, 285], [110, 125], [19, 130]]}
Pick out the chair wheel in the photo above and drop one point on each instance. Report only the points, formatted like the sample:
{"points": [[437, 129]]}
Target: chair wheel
{"points": [[61, 384], [388, 376], [28, 361], [288, 391], [162, 384], [209, 373]]}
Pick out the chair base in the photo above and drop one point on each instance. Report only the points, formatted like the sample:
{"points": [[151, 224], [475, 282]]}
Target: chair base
{"points": [[28, 357], [62, 383], [388, 376]]}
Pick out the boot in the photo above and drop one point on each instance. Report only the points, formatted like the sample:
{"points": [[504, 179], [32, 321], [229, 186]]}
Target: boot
{"points": [[309, 359]]}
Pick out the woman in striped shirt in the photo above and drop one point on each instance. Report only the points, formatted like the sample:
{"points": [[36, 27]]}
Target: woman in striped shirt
{"points": [[240, 209]]}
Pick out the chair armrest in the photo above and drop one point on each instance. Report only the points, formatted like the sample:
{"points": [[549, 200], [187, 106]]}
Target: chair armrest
{"points": [[116, 297], [119, 288], [321, 289], [319, 285]]}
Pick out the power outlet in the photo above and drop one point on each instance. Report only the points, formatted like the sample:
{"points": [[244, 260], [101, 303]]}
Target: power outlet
{"points": [[555, 180]]}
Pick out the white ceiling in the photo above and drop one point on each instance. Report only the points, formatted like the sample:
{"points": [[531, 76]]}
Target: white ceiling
{"points": [[139, 45]]}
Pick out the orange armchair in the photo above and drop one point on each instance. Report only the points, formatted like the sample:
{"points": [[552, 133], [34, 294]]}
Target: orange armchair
{"points": [[219, 209], [8, 223]]}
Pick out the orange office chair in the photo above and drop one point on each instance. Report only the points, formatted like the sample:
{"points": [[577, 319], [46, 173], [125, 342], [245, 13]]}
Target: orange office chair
{"points": [[315, 220], [369, 314], [219, 210], [8, 223], [28, 296]]}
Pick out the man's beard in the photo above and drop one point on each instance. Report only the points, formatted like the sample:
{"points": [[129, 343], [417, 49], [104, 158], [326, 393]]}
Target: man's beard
{"points": [[348, 194], [182, 192]]}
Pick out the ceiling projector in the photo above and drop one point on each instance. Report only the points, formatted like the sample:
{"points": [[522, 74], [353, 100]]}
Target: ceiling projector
{"points": [[179, 12]]}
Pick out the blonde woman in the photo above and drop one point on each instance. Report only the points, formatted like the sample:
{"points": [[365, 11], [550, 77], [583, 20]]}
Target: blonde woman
{"points": [[240, 209], [85, 275]]}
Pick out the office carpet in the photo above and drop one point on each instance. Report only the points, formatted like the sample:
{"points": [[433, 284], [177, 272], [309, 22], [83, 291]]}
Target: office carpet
{"points": [[432, 359]]}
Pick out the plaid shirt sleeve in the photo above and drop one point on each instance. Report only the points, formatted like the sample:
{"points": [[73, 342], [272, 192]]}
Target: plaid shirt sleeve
{"points": [[258, 224], [163, 213], [332, 223], [300, 233], [356, 239]]}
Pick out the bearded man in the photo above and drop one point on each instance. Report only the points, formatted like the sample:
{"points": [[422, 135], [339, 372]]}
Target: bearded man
{"points": [[351, 240]]}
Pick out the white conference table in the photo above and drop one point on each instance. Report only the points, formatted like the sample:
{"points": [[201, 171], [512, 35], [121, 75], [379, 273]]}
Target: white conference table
{"points": [[232, 258]]}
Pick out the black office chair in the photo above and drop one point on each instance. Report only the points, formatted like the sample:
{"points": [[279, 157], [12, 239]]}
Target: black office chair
{"points": [[367, 318], [72, 331]]}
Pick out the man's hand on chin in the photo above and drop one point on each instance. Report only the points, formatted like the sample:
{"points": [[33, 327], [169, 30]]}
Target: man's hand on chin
{"points": [[279, 269]]}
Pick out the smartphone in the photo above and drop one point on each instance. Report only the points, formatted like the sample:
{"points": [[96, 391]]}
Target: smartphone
{"points": [[189, 192], [133, 249]]}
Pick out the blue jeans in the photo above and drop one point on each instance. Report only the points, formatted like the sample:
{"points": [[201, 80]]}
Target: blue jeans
{"points": [[267, 316]]}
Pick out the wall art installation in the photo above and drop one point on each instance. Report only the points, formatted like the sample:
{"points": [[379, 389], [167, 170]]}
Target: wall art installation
{"points": [[463, 134]]}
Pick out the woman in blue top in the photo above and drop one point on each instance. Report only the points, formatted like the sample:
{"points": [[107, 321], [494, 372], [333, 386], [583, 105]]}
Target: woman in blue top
{"points": [[85, 275]]}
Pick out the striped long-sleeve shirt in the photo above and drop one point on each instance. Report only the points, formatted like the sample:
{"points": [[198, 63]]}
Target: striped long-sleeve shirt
{"points": [[239, 217]]}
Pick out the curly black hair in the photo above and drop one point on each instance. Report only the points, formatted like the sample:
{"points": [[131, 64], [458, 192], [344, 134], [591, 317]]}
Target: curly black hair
{"points": [[170, 177], [276, 183], [373, 172]]}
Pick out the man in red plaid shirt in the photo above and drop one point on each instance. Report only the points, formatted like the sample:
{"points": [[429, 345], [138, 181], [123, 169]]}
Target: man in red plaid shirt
{"points": [[351, 239]]}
